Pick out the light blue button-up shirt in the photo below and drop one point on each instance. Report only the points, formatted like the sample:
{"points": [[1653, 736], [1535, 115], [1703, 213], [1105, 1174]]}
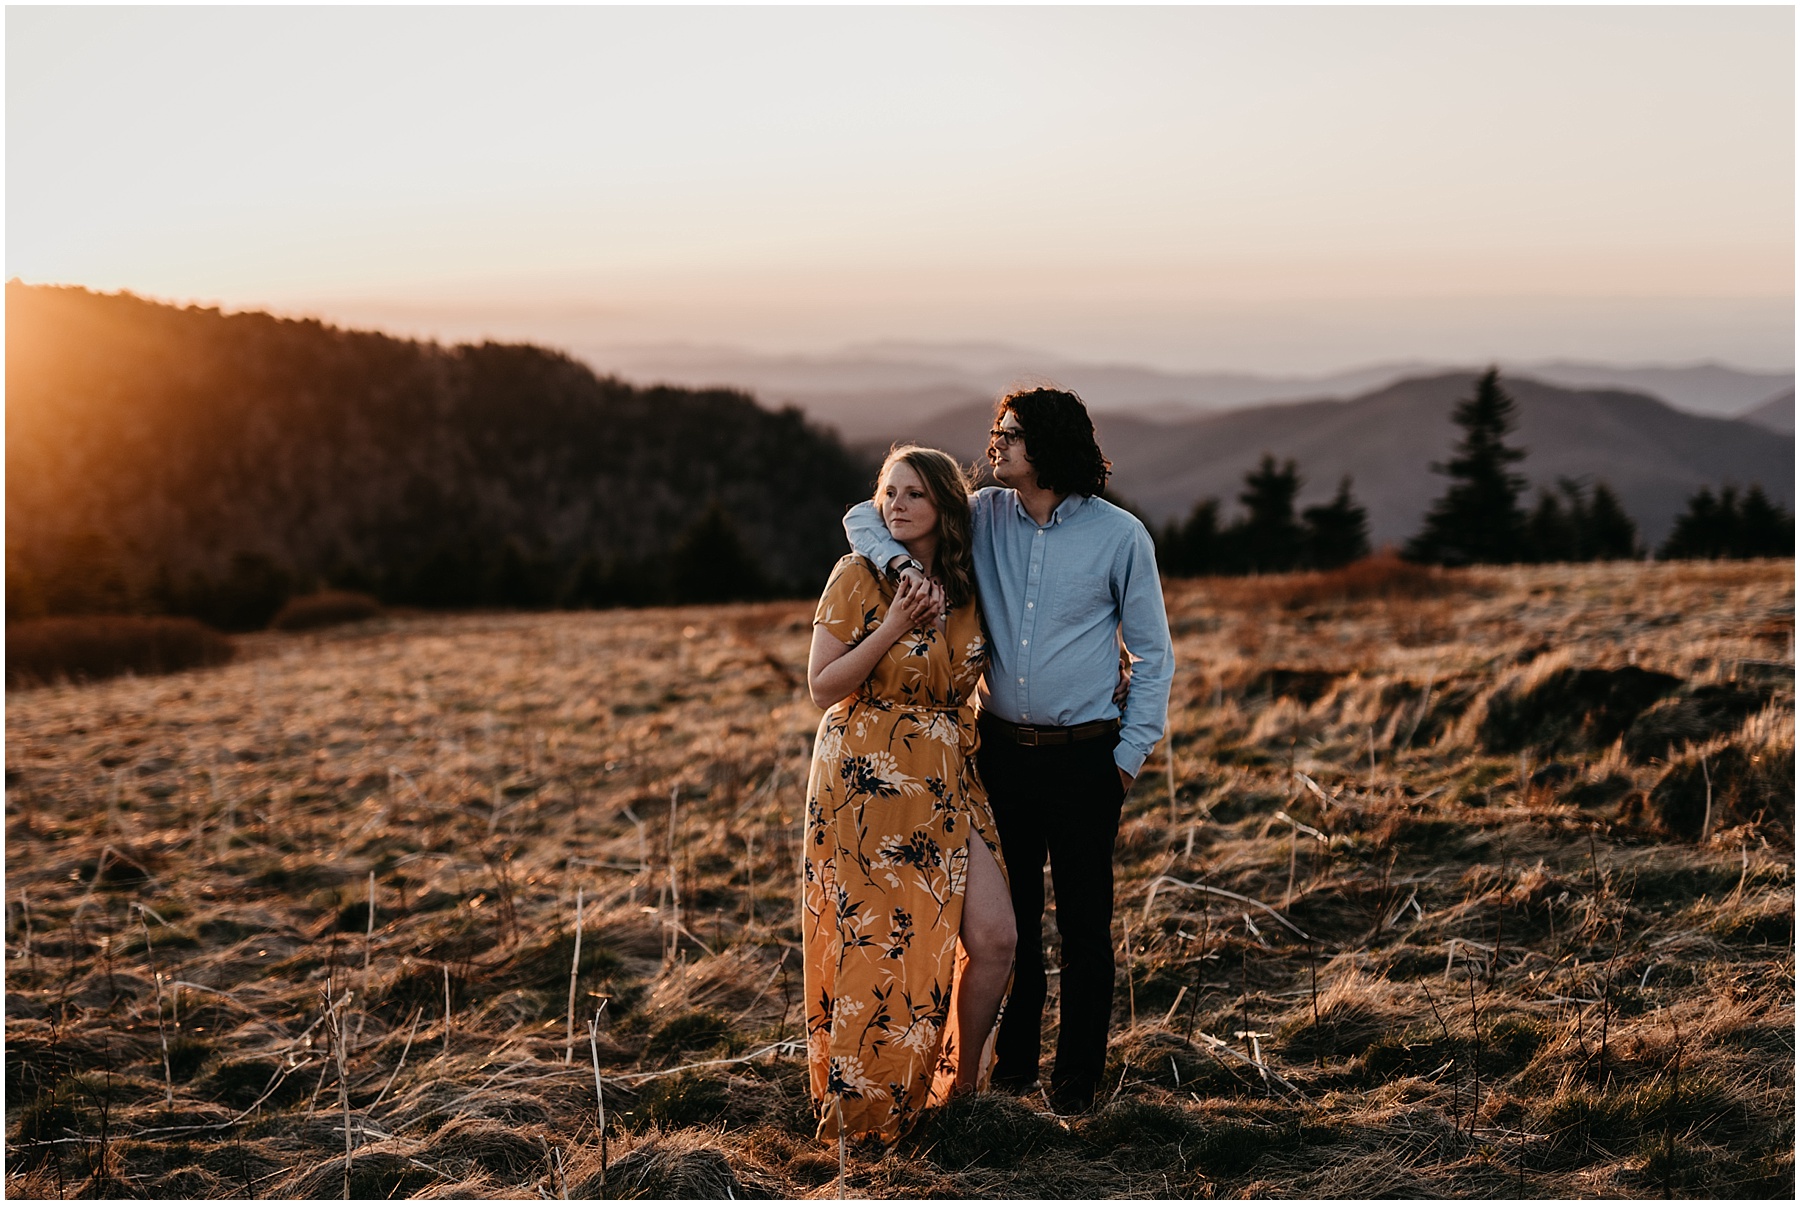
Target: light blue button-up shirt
{"points": [[1058, 599]]}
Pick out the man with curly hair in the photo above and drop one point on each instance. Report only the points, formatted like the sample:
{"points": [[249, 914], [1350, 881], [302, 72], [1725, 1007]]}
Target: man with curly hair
{"points": [[1066, 579]]}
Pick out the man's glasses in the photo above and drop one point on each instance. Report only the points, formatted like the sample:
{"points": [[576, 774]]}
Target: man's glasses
{"points": [[1005, 436]]}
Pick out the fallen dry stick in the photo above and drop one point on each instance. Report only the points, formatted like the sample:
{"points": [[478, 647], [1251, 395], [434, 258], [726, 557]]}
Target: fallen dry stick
{"points": [[1221, 1046], [787, 1045], [1150, 898]]}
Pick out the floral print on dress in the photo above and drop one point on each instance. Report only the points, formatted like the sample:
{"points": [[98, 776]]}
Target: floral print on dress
{"points": [[892, 802]]}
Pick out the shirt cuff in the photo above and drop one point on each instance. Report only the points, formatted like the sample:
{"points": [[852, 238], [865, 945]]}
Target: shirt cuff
{"points": [[1130, 758]]}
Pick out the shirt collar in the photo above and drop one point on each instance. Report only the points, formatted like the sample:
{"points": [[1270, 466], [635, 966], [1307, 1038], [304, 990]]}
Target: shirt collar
{"points": [[1066, 510]]}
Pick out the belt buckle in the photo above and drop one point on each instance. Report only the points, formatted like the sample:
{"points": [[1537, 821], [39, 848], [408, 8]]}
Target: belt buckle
{"points": [[1027, 736]]}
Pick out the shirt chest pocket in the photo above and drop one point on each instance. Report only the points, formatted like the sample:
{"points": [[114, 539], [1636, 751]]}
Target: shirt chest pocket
{"points": [[1080, 598]]}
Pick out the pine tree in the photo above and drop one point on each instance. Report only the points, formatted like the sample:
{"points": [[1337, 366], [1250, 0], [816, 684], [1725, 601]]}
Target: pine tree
{"points": [[1477, 520], [1337, 532], [1192, 548], [1609, 534], [1269, 539], [1764, 529], [1583, 525], [1705, 529], [1727, 527], [1551, 531], [1167, 538]]}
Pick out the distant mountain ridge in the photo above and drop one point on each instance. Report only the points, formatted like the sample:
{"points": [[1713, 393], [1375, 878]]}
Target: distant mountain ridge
{"points": [[859, 388], [1777, 414], [158, 455], [1653, 455]]}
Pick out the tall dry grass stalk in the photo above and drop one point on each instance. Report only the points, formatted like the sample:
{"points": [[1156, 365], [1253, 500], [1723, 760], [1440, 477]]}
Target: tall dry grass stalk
{"points": [[26, 951], [599, 1091], [340, 1040], [843, 1172], [674, 876], [369, 935], [1169, 765], [749, 886], [574, 972], [1130, 970], [162, 1035]]}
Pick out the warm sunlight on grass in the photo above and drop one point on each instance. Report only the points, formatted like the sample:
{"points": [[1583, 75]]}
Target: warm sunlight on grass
{"points": [[1474, 884]]}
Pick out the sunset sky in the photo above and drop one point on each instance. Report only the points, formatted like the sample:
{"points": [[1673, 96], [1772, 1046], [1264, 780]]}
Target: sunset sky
{"points": [[1275, 189]]}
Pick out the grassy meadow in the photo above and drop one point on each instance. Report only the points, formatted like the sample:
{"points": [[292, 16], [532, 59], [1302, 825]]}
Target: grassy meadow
{"points": [[1474, 883]]}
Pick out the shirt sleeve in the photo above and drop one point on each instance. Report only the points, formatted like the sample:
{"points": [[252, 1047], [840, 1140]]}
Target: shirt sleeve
{"points": [[850, 607], [868, 535], [1144, 626]]}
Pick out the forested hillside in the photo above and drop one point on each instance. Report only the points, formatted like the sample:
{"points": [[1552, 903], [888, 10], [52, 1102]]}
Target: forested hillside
{"points": [[184, 460]]}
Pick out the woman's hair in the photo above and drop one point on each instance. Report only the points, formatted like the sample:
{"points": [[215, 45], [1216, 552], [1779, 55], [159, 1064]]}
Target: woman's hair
{"points": [[1059, 440], [948, 488]]}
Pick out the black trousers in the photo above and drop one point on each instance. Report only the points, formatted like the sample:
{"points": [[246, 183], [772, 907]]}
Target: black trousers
{"points": [[1059, 802]]}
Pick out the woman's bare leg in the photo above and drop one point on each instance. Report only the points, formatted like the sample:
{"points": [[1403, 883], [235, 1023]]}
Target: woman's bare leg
{"points": [[989, 936]]}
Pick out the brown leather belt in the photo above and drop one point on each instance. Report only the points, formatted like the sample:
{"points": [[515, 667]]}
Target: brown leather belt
{"points": [[1039, 734]]}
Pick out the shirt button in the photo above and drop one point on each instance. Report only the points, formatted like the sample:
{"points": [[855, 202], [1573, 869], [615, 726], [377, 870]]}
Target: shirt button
{"points": [[1021, 681], [1030, 605], [1024, 642]]}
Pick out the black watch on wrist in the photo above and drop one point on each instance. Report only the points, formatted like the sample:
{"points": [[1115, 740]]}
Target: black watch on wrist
{"points": [[894, 571]]}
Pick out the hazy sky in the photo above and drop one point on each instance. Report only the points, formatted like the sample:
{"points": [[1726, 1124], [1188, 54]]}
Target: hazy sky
{"points": [[1251, 188]]}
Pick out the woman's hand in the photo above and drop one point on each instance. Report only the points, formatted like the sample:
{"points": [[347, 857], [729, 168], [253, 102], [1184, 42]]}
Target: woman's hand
{"points": [[1122, 691], [834, 669], [930, 583], [915, 606]]}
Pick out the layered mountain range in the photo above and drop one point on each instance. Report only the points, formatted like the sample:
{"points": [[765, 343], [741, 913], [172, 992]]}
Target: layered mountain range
{"points": [[1652, 455], [160, 457], [860, 389], [1777, 413]]}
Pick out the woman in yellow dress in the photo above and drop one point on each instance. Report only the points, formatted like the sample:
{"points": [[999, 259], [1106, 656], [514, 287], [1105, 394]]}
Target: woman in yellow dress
{"points": [[909, 930]]}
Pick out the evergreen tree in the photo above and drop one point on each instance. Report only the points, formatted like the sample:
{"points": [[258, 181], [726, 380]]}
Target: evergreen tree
{"points": [[1727, 527], [1167, 538], [1704, 530], [1764, 529], [1551, 531], [1582, 525], [1270, 540], [1337, 532], [1195, 547], [1477, 520], [1609, 534], [1164, 537]]}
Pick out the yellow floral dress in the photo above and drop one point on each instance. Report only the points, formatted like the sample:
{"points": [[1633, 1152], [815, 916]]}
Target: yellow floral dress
{"points": [[891, 805]]}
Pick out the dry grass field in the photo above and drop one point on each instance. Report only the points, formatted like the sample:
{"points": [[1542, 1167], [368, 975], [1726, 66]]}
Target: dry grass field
{"points": [[1465, 884]]}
